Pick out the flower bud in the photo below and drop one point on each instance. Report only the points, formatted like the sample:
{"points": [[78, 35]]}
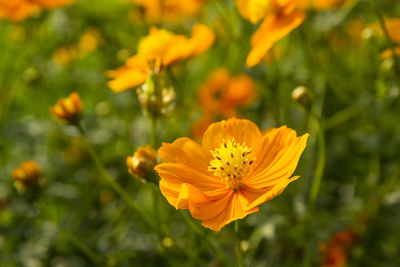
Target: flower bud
{"points": [[300, 95], [155, 98], [27, 175], [68, 110], [142, 162], [368, 33]]}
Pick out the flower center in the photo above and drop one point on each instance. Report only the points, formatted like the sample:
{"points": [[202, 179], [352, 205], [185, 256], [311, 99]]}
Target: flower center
{"points": [[231, 161]]}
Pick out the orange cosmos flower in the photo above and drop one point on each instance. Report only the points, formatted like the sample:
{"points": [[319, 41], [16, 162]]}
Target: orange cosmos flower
{"points": [[222, 93], [156, 51], [17, 10], [234, 170], [27, 175], [170, 10], [279, 18], [68, 110]]}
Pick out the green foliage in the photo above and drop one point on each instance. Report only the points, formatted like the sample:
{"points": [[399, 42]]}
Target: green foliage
{"points": [[76, 219]]}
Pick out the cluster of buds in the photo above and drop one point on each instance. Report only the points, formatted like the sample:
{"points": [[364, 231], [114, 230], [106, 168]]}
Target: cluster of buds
{"points": [[27, 175], [68, 110], [155, 98], [142, 163]]}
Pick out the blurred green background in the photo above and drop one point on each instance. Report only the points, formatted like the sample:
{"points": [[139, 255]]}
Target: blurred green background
{"points": [[73, 219]]}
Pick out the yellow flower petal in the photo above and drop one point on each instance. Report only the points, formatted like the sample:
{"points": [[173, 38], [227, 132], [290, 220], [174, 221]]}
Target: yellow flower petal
{"points": [[273, 28]]}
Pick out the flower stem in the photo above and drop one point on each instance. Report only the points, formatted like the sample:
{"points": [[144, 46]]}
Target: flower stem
{"points": [[239, 253], [111, 182], [205, 238], [153, 132], [386, 32], [319, 170], [94, 257]]}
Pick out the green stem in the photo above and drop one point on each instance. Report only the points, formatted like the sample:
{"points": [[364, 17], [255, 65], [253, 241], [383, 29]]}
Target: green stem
{"points": [[239, 253], [319, 170], [205, 238], [111, 182], [386, 32], [153, 132], [341, 117], [156, 210], [94, 257]]}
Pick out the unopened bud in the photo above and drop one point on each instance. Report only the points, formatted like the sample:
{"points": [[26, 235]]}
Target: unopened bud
{"points": [[301, 95], [68, 110], [368, 33], [387, 64], [27, 175], [142, 162], [156, 99]]}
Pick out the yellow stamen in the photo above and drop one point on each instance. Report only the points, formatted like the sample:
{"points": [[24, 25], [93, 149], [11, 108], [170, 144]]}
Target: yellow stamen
{"points": [[231, 161]]}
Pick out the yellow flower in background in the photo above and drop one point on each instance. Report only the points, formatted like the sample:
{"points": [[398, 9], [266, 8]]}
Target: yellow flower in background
{"points": [[27, 175], [320, 4], [235, 169], [169, 10], [393, 28], [279, 18], [17, 10], [68, 110], [89, 42], [223, 93], [388, 53], [156, 51], [142, 162], [64, 55]]}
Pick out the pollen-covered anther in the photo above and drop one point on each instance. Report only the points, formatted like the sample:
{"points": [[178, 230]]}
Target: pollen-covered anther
{"points": [[231, 161]]}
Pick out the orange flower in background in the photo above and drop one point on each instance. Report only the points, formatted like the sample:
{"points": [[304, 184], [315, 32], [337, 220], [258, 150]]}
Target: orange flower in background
{"points": [[222, 93], [234, 170], [156, 51], [27, 175], [52, 3], [200, 126], [335, 251], [279, 18], [170, 10], [393, 28], [17, 10], [68, 110]]}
